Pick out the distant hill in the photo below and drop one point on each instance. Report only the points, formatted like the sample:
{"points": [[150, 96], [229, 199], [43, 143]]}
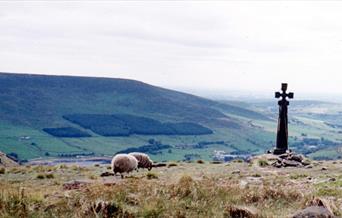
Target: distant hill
{"points": [[40, 100], [49, 116]]}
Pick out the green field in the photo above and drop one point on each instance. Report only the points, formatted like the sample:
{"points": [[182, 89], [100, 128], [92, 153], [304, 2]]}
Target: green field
{"points": [[117, 114]]}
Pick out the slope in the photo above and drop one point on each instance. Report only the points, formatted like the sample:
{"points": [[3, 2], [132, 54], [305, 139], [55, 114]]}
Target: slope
{"points": [[31, 103]]}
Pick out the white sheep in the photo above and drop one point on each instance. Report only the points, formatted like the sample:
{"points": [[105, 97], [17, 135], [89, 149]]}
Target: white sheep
{"points": [[144, 160], [124, 163]]}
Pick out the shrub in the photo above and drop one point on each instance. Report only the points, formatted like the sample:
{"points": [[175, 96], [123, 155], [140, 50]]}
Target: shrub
{"points": [[2, 170], [172, 165], [200, 161], [49, 176], [40, 176], [216, 162]]}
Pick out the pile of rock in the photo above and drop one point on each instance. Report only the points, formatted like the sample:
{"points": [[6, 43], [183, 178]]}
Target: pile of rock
{"points": [[290, 159]]}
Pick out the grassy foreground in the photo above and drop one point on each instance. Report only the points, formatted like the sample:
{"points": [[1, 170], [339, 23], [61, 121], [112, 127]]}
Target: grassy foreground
{"points": [[178, 190]]}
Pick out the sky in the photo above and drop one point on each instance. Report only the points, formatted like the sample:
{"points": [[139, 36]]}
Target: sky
{"points": [[222, 47]]}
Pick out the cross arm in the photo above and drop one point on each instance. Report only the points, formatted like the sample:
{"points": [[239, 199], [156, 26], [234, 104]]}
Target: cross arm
{"points": [[290, 95]]}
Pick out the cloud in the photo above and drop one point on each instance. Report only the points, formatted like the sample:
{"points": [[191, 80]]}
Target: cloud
{"points": [[209, 45]]}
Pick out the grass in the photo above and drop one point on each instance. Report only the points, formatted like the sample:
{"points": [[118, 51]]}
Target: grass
{"points": [[263, 163], [298, 176], [109, 145], [185, 190], [143, 100], [110, 96], [151, 175], [45, 176]]}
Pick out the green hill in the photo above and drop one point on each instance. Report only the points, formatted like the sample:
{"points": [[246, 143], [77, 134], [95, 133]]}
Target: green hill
{"points": [[44, 116]]}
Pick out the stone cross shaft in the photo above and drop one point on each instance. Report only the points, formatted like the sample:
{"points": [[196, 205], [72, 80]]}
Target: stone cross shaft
{"points": [[282, 131]]}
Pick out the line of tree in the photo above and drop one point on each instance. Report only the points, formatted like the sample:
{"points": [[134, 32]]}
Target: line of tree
{"points": [[66, 132], [125, 125]]}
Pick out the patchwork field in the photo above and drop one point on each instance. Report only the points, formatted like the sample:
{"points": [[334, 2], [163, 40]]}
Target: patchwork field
{"points": [[57, 116]]}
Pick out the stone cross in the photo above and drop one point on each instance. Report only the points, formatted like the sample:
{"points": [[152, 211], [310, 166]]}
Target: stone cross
{"points": [[282, 132]]}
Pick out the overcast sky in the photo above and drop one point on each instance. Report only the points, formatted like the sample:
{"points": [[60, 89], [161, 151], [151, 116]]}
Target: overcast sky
{"points": [[247, 46]]}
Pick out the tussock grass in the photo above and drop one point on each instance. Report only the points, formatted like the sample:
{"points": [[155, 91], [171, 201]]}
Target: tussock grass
{"points": [[45, 176], [40, 176], [298, 176], [188, 190], [262, 163], [151, 175]]}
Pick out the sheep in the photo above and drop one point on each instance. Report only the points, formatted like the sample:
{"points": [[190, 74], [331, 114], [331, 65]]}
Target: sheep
{"points": [[124, 163], [144, 160]]}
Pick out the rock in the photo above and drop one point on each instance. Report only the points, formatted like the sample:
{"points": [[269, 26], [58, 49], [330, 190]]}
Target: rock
{"points": [[243, 184], [296, 157], [291, 163], [288, 159], [277, 164], [236, 172], [324, 168], [332, 179], [308, 167], [319, 202], [240, 212], [314, 212], [283, 156], [306, 162], [74, 185]]}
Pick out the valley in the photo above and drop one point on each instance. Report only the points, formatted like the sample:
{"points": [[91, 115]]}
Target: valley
{"points": [[66, 117]]}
